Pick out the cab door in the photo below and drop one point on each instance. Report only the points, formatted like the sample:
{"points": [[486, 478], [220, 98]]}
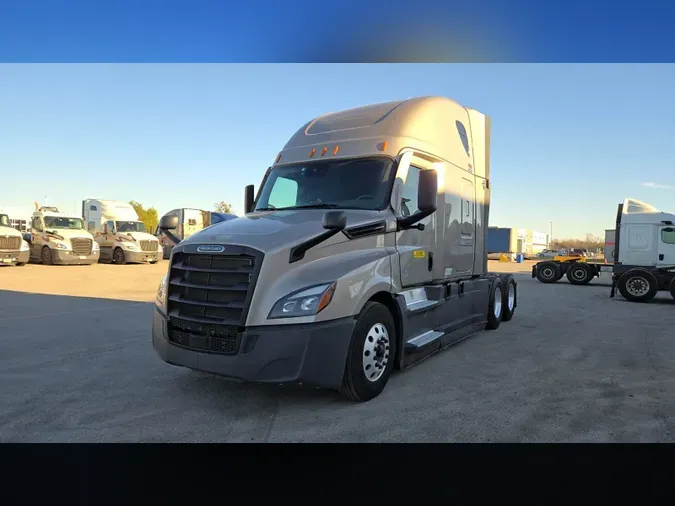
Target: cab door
{"points": [[666, 246], [415, 247]]}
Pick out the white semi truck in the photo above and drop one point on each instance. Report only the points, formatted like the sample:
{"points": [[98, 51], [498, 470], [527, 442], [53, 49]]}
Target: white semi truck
{"points": [[60, 238], [364, 251], [14, 250], [121, 236], [642, 262]]}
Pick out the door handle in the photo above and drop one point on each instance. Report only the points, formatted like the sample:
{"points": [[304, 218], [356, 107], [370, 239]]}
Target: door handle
{"points": [[661, 256], [430, 261]]}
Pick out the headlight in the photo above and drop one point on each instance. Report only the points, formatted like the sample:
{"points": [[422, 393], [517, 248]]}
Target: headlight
{"points": [[95, 246], [61, 245], [130, 246], [24, 246], [159, 248], [306, 302], [161, 292]]}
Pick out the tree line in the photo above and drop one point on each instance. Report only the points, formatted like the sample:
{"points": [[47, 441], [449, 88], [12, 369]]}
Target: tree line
{"points": [[590, 242], [150, 218]]}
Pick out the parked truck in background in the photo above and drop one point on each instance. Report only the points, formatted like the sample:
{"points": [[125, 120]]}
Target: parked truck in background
{"points": [[643, 255], [190, 221], [121, 236], [364, 251], [14, 250], [60, 238]]}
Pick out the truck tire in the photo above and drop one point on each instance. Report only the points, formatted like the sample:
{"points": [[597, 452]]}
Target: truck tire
{"points": [[118, 257], [638, 285], [549, 272], [494, 315], [579, 274], [46, 256], [671, 288], [509, 297], [371, 354]]}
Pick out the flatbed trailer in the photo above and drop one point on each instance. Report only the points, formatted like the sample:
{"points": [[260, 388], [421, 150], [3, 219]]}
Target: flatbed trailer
{"points": [[578, 270]]}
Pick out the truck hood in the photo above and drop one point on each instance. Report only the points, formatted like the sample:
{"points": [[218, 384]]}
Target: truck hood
{"points": [[72, 234], [139, 236], [9, 231], [275, 230]]}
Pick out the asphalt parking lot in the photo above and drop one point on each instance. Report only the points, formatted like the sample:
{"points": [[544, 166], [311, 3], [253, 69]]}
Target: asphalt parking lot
{"points": [[76, 365]]}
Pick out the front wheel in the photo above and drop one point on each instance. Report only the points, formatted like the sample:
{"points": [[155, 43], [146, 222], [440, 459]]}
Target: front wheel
{"points": [[20, 264], [638, 285], [46, 256], [118, 256], [371, 354]]}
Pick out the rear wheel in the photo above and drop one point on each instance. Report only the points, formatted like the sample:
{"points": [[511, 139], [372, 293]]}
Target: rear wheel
{"points": [[371, 354], [579, 274], [548, 272], [495, 306], [672, 288], [509, 297], [118, 256], [46, 256], [638, 285]]}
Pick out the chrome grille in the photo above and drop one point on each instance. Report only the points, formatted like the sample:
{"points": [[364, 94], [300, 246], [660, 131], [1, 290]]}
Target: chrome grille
{"points": [[208, 296], [81, 246], [150, 246], [10, 243]]}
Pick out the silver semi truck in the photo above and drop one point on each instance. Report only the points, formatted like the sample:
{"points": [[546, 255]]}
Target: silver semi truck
{"points": [[364, 251]]}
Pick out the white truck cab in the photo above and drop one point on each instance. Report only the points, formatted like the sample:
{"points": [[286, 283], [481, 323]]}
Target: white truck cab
{"points": [[121, 236], [13, 249], [60, 238]]}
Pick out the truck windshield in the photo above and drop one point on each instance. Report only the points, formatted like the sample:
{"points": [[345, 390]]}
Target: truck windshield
{"points": [[362, 183], [130, 226], [61, 222], [4, 220]]}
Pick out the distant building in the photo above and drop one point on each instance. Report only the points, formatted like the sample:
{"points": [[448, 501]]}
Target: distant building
{"points": [[515, 240], [19, 224]]}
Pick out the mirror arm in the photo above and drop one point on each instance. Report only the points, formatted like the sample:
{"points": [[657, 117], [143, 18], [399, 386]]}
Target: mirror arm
{"points": [[409, 221]]}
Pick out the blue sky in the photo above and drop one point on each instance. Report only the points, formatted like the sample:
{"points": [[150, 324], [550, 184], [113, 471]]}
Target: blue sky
{"points": [[568, 142]]}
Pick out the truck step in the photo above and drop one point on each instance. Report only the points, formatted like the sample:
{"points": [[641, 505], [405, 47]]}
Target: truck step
{"points": [[417, 299], [418, 342]]}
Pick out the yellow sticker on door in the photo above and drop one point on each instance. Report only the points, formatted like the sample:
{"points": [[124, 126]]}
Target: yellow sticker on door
{"points": [[420, 253]]}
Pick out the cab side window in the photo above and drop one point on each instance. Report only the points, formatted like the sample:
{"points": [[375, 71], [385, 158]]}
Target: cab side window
{"points": [[411, 180], [668, 235], [111, 226]]}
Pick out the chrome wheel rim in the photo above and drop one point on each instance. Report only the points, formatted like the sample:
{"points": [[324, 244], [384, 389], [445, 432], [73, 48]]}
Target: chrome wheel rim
{"points": [[637, 286], [375, 355], [512, 296], [498, 303]]}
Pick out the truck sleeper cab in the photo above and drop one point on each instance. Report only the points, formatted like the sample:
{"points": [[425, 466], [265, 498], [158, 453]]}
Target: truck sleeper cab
{"points": [[13, 249], [61, 239], [364, 251], [121, 236]]}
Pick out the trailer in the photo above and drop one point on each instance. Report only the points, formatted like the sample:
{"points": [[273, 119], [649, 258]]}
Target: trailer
{"points": [[364, 251], [642, 248]]}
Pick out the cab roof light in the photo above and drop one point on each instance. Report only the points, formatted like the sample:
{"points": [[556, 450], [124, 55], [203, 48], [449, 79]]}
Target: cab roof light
{"points": [[324, 150], [383, 146], [336, 149], [312, 152]]}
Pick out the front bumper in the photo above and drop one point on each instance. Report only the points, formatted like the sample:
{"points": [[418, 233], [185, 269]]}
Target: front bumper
{"points": [[63, 257], [14, 257], [313, 353], [139, 257]]}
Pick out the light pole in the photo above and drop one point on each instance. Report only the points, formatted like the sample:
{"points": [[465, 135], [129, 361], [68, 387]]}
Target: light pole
{"points": [[550, 236]]}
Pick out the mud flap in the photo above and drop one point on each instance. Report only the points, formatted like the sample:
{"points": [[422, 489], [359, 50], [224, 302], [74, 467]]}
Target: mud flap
{"points": [[613, 290], [534, 271]]}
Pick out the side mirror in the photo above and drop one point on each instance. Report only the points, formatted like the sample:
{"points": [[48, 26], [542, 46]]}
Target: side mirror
{"points": [[249, 197], [427, 190], [334, 220], [106, 229], [28, 237], [168, 222]]}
